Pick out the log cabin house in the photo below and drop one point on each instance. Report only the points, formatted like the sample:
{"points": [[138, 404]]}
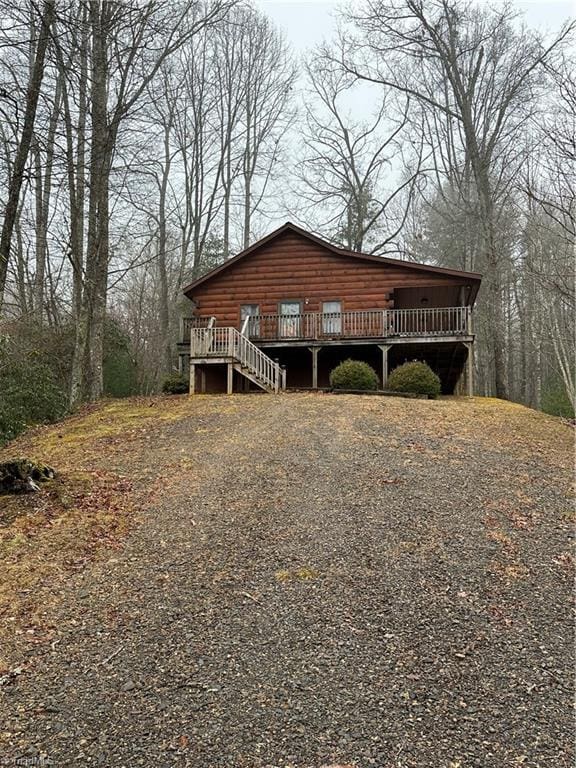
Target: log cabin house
{"points": [[285, 311]]}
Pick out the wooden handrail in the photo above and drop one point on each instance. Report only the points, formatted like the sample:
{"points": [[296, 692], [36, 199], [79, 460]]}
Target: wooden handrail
{"points": [[230, 343]]}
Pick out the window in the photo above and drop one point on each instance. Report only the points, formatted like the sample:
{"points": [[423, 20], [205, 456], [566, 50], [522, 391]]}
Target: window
{"points": [[332, 318], [252, 311], [289, 318]]}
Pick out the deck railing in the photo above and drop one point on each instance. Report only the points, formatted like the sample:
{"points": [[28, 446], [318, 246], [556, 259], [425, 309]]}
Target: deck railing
{"points": [[230, 343], [431, 321], [187, 323], [373, 323]]}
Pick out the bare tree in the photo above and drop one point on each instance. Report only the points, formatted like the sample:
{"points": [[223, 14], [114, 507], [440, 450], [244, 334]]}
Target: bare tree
{"points": [[269, 75], [25, 139], [471, 65], [126, 55], [230, 85], [71, 43], [192, 165], [551, 184], [548, 184], [198, 134], [347, 164], [44, 165]]}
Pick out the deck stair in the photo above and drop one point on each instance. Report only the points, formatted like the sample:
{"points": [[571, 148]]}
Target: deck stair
{"points": [[228, 345]]}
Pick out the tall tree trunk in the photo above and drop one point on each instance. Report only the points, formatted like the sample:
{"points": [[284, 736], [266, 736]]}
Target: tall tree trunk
{"points": [[510, 337], [75, 132], [40, 219], [248, 171], [247, 211], [87, 374], [21, 286], [493, 278], [24, 144], [162, 257], [43, 192], [227, 188], [79, 185]]}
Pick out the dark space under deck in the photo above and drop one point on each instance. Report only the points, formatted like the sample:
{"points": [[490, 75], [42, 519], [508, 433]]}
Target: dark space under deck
{"points": [[447, 359]]}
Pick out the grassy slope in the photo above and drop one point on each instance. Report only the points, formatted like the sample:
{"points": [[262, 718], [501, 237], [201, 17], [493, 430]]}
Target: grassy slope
{"points": [[103, 476], [88, 509]]}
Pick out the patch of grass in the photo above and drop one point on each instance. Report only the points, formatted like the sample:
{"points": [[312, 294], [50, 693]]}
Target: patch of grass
{"points": [[112, 419], [304, 573]]}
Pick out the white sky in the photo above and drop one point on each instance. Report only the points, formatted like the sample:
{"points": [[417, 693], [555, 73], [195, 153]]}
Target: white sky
{"points": [[307, 22]]}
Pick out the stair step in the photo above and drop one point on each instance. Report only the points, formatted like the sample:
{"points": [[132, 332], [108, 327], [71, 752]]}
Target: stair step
{"points": [[251, 373]]}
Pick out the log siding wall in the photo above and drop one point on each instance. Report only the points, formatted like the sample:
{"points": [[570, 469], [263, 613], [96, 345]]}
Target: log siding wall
{"points": [[292, 267]]}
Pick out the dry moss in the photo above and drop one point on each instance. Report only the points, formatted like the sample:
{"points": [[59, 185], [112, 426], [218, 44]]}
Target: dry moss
{"points": [[305, 573], [111, 420]]}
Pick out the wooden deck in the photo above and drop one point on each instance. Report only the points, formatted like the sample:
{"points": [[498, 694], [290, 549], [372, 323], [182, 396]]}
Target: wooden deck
{"points": [[258, 351]]}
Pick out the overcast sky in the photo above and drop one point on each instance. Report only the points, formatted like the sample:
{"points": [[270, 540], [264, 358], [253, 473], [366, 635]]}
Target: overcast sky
{"points": [[307, 22]]}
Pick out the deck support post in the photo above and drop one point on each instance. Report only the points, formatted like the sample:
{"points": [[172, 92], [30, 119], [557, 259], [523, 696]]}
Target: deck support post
{"points": [[230, 381], [192, 378], [470, 369], [385, 348], [314, 351]]}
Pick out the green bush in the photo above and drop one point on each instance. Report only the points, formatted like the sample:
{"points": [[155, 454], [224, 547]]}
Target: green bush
{"points": [[354, 374], [30, 395], [415, 377], [175, 384], [120, 374], [27, 343], [555, 400]]}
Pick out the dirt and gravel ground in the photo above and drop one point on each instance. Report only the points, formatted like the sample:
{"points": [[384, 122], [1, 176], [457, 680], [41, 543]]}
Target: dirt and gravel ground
{"points": [[314, 580]]}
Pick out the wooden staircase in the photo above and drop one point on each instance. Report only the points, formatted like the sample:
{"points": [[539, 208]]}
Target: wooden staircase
{"points": [[227, 345]]}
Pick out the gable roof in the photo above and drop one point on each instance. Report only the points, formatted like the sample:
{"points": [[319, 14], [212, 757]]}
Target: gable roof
{"points": [[473, 277]]}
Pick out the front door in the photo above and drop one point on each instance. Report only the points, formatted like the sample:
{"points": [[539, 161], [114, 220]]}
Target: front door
{"points": [[289, 320]]}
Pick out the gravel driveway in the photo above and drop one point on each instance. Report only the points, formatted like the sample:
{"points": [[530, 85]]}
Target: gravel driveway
{"points": [[322, 580]]}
